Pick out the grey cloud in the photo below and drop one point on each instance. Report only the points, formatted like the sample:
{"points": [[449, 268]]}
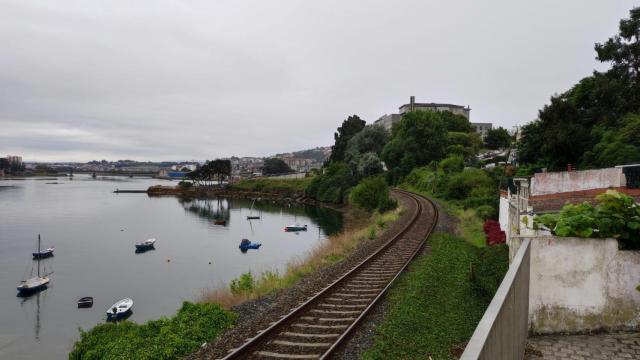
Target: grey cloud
{"points": [[200, 79]]}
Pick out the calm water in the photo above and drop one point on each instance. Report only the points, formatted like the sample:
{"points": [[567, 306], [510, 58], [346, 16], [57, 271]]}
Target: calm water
{"points": [[94, 231]]}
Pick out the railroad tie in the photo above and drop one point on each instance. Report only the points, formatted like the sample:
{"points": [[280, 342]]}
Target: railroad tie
{"points": [[321, 336], [275, 355], [301, 344], [313, 326]]}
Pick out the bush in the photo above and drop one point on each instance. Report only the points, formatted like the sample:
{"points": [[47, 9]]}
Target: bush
{"points": [[494, 234], [452, 164], [616, 215], [185, 184], [489, 267], [372, 193], [486, 212], [167, 338], [332, 185], [243, 285]]}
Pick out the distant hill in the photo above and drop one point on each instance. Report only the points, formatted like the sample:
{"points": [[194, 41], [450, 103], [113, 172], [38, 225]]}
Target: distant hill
{"points": [[319, 154]]}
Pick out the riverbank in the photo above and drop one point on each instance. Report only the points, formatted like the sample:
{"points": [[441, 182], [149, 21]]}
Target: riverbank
{"points": [[258, 313]]}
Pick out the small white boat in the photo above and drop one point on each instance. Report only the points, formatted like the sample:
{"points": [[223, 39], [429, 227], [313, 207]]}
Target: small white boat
{"points": [[120, 309], [36, 283], [145, 245]]}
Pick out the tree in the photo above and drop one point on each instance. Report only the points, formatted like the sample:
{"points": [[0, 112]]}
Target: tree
{"points": [[456, 123], [351, 126], [497, 139], [368, 164], [275, 166], [371, 138], [618, 146], [4, 164], [419, 138], [372, 193]]}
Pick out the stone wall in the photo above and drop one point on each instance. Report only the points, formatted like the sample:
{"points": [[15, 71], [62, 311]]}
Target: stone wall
{"points": [[567, 181], [581, 285]]}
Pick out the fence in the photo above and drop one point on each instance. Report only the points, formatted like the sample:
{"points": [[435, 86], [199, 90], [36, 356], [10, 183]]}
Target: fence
{"points": [[503, 329]]}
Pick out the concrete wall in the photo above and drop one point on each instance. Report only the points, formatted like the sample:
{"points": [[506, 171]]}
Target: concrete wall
{"points": [[580, 285], [565, 181], [502, 331]]}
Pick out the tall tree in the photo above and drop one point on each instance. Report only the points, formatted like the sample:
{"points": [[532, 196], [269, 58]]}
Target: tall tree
{"points": [[497, 138], [351, 126], [275, 166]]}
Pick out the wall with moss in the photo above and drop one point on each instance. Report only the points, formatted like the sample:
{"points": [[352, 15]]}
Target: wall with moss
{"points": [[581, 285]]}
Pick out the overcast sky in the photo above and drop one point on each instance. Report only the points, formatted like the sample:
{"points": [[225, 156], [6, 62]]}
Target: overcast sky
{"points": [[178, 80]]}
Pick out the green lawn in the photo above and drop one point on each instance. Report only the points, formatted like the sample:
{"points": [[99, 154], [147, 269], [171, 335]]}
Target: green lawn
{"points": [[434, 306], [288, 187]]}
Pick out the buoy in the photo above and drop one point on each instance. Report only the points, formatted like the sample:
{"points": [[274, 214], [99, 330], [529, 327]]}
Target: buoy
{"points": [[168, 260], [209, 262]]}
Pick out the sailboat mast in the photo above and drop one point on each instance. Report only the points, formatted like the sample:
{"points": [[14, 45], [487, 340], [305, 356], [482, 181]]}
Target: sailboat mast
{"points": [[38, 255]]}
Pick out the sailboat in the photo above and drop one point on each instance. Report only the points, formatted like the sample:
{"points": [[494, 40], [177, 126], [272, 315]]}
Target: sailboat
{"points": [[252, 217], [36, 283]]}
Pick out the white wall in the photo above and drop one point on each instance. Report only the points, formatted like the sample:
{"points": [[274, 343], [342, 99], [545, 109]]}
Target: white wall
{"points": [[579, 285], [565, 181]]}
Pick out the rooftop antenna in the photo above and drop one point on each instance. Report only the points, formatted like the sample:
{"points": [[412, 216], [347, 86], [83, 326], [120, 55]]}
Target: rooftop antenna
{"points": [[412, 103]]}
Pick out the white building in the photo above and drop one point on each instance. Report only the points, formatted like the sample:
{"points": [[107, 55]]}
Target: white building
{"points": [[482, 129], [388, 120]]}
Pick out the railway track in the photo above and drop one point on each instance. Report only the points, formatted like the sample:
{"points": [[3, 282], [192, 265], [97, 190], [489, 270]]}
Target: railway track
{"points": [[317, 327]]}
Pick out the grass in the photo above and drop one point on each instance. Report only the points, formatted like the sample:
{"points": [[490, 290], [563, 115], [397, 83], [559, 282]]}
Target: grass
{"points": [[434, 306], [166, 338], [287, 187], [333, 249]]}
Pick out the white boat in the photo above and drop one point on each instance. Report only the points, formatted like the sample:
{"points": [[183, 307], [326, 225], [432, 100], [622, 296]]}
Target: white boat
{"points": [[120, 309], [35, 283], [145, 245]]}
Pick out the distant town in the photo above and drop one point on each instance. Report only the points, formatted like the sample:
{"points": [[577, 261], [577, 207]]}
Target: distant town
{"points": [[241, 167]]}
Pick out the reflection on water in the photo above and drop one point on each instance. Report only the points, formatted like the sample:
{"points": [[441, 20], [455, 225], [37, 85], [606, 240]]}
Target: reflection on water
{"points": [[94, 232]]}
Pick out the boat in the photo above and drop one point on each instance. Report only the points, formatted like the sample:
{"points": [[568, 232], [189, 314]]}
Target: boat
{"points": [[220, 222], [245, 244], [43, 253], [145, 245], [34, 284], [120, 309], [295, 227], [252, 217], [85, 302]]}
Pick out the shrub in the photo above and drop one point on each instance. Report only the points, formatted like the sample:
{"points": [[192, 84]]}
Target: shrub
{"points": [[185, 184], [166, 338], [243, 285], [489, 267], [485, 212], [372, 193], [452, 164], [494, 234], [616, 215]]}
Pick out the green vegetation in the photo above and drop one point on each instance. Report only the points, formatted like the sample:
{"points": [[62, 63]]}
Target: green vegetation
{"points": [[285, 187], [167, 338], [333, 184], [436, 306], [488, 269], [350, 127], [498, 138], [212, 171], [469, 188], [616, 215], [371, 194], [335, 248], [275, 166], [596, 123]]}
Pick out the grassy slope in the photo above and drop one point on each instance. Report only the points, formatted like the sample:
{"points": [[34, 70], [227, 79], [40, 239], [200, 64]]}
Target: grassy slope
{"points": [[289, 187], [433, 306], [166, 338]]}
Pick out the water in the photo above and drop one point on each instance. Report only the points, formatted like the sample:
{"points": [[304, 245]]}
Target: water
{"points": [[94, 231]]}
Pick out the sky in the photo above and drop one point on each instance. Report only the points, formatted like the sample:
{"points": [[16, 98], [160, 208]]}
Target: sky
{"points": [[180, 80]]}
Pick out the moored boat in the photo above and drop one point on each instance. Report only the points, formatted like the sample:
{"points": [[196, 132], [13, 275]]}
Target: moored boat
{"points": [[120, 309], [220, 222], [145, 245], [245, 244], [43, 253], [36, 283], [295, 227], [85, 302]]}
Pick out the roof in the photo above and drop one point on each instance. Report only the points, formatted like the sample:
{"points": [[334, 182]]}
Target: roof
{"points": [[434, 105]]}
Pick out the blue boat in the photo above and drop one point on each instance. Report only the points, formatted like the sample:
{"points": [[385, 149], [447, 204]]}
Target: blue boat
{"points": [[245, 244]]}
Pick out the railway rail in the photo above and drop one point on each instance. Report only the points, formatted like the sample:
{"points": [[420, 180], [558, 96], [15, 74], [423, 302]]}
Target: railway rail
{"points": [[318, 326]]}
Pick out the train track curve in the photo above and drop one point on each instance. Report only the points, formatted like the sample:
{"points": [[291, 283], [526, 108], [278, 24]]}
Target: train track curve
{"points": [[318, 326]]}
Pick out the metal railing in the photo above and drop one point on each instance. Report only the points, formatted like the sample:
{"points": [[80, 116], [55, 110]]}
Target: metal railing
{"points": [[503, 329]]}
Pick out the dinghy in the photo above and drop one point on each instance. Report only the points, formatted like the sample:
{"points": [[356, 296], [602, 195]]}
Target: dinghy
{"points": [[296, 227], [85, 302], [120, 310], [145, 245], [43, 253], [245, 244]]}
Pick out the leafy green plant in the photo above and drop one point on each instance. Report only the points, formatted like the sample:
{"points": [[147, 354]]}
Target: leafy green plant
{"points": [[243, 285], [372, 233], [616, 215], [166, 338]]}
